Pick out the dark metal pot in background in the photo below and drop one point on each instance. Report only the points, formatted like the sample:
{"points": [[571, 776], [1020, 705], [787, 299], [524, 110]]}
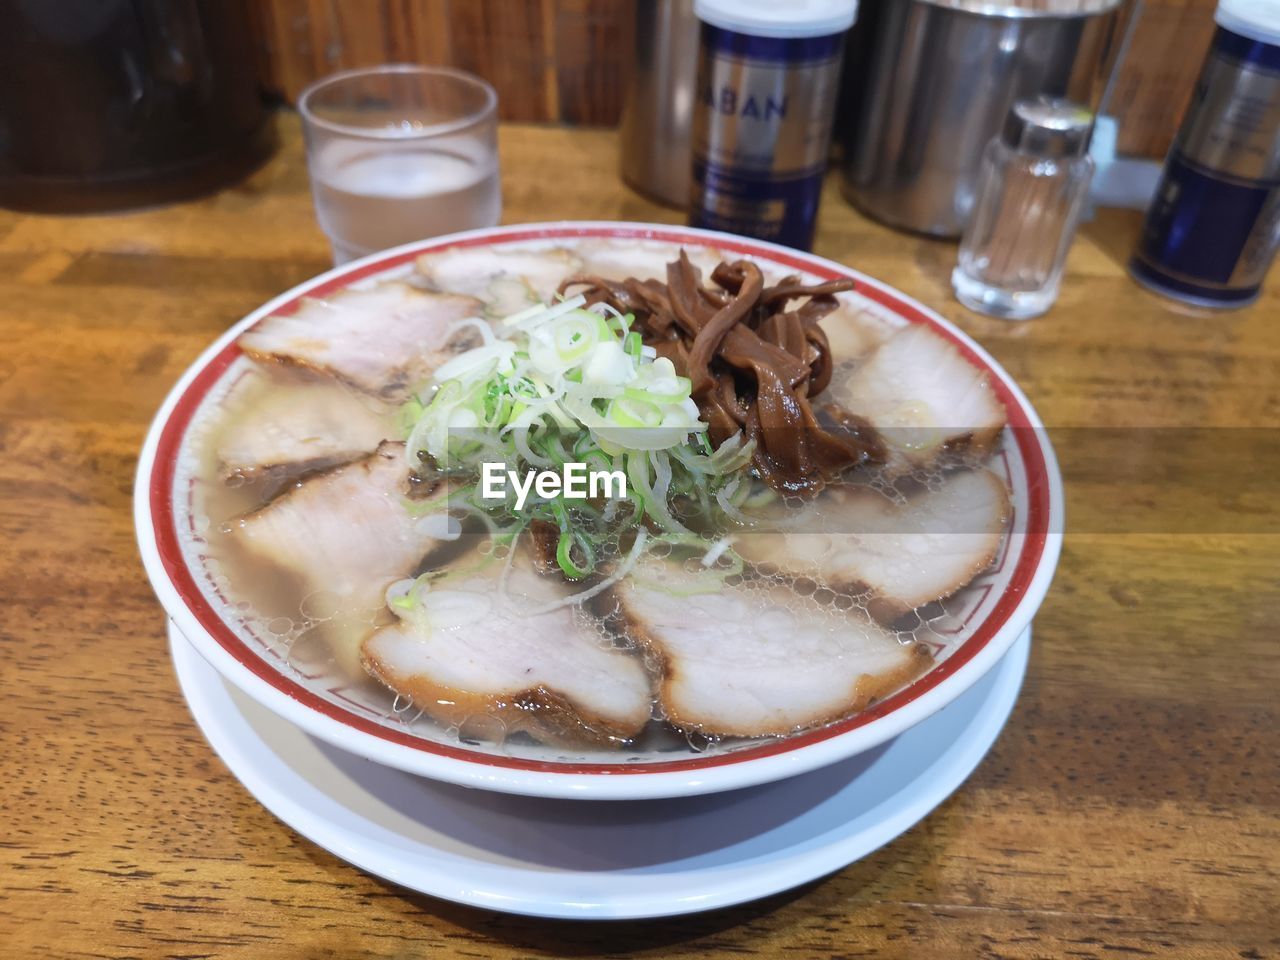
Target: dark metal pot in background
{"points": [[107, 104], [939, 83]]}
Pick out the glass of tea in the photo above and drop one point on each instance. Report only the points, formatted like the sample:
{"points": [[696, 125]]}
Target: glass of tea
{"points": [[400, 152]]}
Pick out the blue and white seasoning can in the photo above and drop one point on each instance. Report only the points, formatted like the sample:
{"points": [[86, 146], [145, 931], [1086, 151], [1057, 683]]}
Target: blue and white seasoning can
{"points": [[768, 78], [1213, 228]]}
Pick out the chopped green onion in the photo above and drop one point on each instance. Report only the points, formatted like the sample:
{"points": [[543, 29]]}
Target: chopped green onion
{"points": [[565, 547], [566, 383]]}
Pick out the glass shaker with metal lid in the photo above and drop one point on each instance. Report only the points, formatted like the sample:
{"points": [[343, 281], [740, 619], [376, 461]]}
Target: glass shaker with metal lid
{"points": [[1031, 191]]}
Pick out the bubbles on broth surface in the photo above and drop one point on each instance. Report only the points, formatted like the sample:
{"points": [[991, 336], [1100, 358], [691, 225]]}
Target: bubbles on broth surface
{"points": [[481, 728], [320, 605], [405, 710], [310, 650], [301, 622], [701, 742], [282, 628]]}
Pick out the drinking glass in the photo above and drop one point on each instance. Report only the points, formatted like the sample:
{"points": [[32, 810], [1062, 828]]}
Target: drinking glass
{"points": [[398, 153]]}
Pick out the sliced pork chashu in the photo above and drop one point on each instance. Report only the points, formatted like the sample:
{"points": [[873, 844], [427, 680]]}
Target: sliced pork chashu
{"points": [[468, 650], [385, 340], [304, 427], [621, 259], [925, 399], [507, 281], [853, 333], [348, 534], [856, 540], [759, 660]]}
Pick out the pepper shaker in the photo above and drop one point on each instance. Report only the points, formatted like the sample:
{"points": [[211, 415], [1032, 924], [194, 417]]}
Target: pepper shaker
{"points": [[1031, 190]]}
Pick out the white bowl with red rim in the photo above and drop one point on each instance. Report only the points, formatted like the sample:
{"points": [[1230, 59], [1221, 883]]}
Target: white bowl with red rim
{"points": [[993, 612]]}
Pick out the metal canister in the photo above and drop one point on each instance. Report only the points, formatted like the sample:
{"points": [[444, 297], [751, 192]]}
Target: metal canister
{"points": [[768, 78], [1213, 229], [658, 112], [942, 78]]}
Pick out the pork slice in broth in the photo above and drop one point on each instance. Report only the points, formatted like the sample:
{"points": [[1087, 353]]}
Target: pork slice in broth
{"points": [[345, 536], [924, 398], [622, 259], [757, 659], [498, 661], [508, 281], [853, 333], [385, 340], [273, 430], [856, 540]]}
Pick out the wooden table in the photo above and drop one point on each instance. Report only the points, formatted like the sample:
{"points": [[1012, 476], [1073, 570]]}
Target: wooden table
{"points": [[1130, 808]]}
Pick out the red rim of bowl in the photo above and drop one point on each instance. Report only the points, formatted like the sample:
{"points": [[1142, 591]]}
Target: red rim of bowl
{"points": [[161, 481]]}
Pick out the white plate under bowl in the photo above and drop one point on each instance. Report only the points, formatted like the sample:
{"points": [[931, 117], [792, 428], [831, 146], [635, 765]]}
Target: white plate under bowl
{"points": [[982, 623], [572, 859]]}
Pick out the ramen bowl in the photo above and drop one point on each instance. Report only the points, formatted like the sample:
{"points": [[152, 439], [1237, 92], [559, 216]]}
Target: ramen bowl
{"points": [[979, 626]]}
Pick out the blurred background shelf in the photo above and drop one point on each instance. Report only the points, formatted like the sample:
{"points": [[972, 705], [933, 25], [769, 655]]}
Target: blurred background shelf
{"points": [[565, 61]]}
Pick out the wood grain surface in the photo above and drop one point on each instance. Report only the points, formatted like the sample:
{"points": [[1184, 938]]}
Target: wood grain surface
{"points": [[549, 60], [1131, 807]]}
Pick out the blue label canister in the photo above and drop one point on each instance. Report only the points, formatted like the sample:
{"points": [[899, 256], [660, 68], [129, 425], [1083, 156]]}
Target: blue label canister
{"points": [[1214, 226], [761, 132]]}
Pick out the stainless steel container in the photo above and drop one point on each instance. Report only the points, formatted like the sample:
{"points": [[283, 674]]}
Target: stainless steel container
{"points": [[943, 76], [658, 113]]}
